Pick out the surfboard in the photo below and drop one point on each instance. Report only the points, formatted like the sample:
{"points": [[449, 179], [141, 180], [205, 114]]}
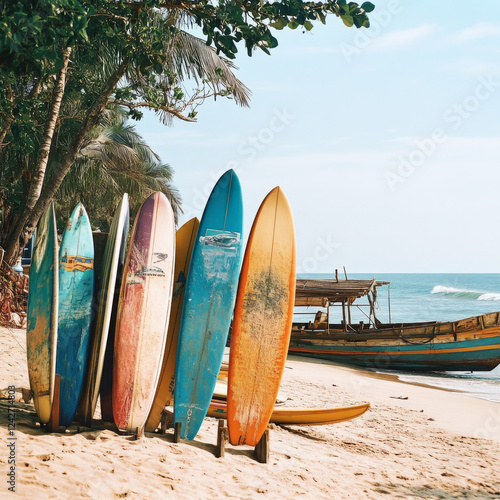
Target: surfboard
{"points": [[220, 392], [208, 304], [76, 292], [301, 416], [262, 320], [184, 242], [143, 312], [41, 331], [106, 387], [105, 295]]}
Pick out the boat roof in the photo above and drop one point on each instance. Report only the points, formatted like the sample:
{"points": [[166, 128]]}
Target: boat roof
{"points": [[320, 292]]}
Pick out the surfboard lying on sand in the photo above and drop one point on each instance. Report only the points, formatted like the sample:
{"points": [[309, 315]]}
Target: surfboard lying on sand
{"points": [[208, 304], [300, 416], [262, 321], [184, 242], [41, 331], [143, 313], [76, 290], [105, 296]]}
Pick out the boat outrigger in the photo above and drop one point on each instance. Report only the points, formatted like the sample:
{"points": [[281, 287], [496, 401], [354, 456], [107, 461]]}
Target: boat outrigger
{"points": [[471, 344]]}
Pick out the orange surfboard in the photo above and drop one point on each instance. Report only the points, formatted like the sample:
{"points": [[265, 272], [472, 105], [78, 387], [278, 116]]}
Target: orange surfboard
{"points": [[184, 241], [262, 321]]}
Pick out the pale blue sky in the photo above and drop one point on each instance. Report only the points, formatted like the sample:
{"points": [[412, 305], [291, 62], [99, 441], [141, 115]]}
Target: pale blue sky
{"points": [[386, 141]]}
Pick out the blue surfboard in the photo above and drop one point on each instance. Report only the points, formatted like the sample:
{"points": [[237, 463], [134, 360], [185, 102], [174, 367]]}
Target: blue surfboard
{"points": [[76, 288], [208, 303]]}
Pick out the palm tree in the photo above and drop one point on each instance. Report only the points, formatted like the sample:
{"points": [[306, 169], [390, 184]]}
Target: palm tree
{"points": [[113, 160], [103, 76]]}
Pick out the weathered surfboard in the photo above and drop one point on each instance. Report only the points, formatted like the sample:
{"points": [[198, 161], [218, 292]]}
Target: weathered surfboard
{"points": [[106, 387], [184, 242], [262, 321], [76, 292], [208, 303], [105, 295], [143, 313], [41, 334], [300, 416]]}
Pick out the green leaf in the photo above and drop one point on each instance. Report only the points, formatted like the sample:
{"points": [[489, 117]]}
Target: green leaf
{"points": [[348, 20], [280, 23], [367, 6], [308, 25], [353, 7], [293, 25]]}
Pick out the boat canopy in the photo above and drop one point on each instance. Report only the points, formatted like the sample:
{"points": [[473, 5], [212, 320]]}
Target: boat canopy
{"points": [[322, 292]]}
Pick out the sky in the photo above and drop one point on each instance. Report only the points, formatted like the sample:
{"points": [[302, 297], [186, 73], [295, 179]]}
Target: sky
{"points": [[385, 140]]}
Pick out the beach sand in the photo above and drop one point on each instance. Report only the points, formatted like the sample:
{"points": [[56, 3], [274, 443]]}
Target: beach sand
{"points": [[431, 444]]}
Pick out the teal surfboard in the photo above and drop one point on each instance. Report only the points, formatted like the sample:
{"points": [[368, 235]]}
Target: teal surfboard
{"points": [[208, 303], [41, 332], [76, 289]]}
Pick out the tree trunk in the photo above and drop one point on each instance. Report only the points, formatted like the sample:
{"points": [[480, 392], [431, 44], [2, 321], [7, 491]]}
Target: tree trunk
{"points": [[52, 185], [41, 164], [9, 119]]}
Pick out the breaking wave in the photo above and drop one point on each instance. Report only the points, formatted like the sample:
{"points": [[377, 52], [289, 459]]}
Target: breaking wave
{"points": [[489, 296], [464, 293]]}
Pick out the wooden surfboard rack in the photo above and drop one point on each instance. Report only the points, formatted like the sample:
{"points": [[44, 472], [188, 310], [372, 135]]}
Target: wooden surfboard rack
{"points": [[166, 421], [177, 432], [222, 439], [138, 433], [261, 448]]}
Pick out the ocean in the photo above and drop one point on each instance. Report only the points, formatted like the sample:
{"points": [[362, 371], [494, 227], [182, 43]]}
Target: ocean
{"points": [[433, 297]]}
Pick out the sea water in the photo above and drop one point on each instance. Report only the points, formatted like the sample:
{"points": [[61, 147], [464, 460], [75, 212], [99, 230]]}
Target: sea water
{"points": [[432, 297]]}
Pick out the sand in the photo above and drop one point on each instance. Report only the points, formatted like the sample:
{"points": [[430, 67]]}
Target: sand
{"points": [[414, 442]]}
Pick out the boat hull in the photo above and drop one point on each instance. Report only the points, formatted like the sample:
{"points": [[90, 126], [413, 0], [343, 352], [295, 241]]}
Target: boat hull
{"points": [[471, 344]]}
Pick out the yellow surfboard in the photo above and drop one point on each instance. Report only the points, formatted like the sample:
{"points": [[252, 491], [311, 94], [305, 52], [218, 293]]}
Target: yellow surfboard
{"points": [[262, 320], [300, 416], [184, 241]]}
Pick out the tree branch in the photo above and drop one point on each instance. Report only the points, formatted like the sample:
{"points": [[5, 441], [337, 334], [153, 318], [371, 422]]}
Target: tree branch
{"points": [[157, 107]]}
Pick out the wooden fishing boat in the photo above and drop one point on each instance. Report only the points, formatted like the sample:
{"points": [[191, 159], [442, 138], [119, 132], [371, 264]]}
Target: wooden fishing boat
{"points": [[471, 344]]}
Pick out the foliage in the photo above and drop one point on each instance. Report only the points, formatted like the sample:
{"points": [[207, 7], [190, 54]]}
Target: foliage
{"points": [[63, 63], [114, 159]]}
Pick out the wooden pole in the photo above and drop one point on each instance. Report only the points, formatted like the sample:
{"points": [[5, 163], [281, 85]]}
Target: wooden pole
{"points": [[328, 317], [177, 432], [222, 439], [262, 448], [343, 315]]}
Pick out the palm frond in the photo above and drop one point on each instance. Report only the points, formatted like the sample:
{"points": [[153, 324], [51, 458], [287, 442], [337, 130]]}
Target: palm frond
{"points": [[193, 58]]}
